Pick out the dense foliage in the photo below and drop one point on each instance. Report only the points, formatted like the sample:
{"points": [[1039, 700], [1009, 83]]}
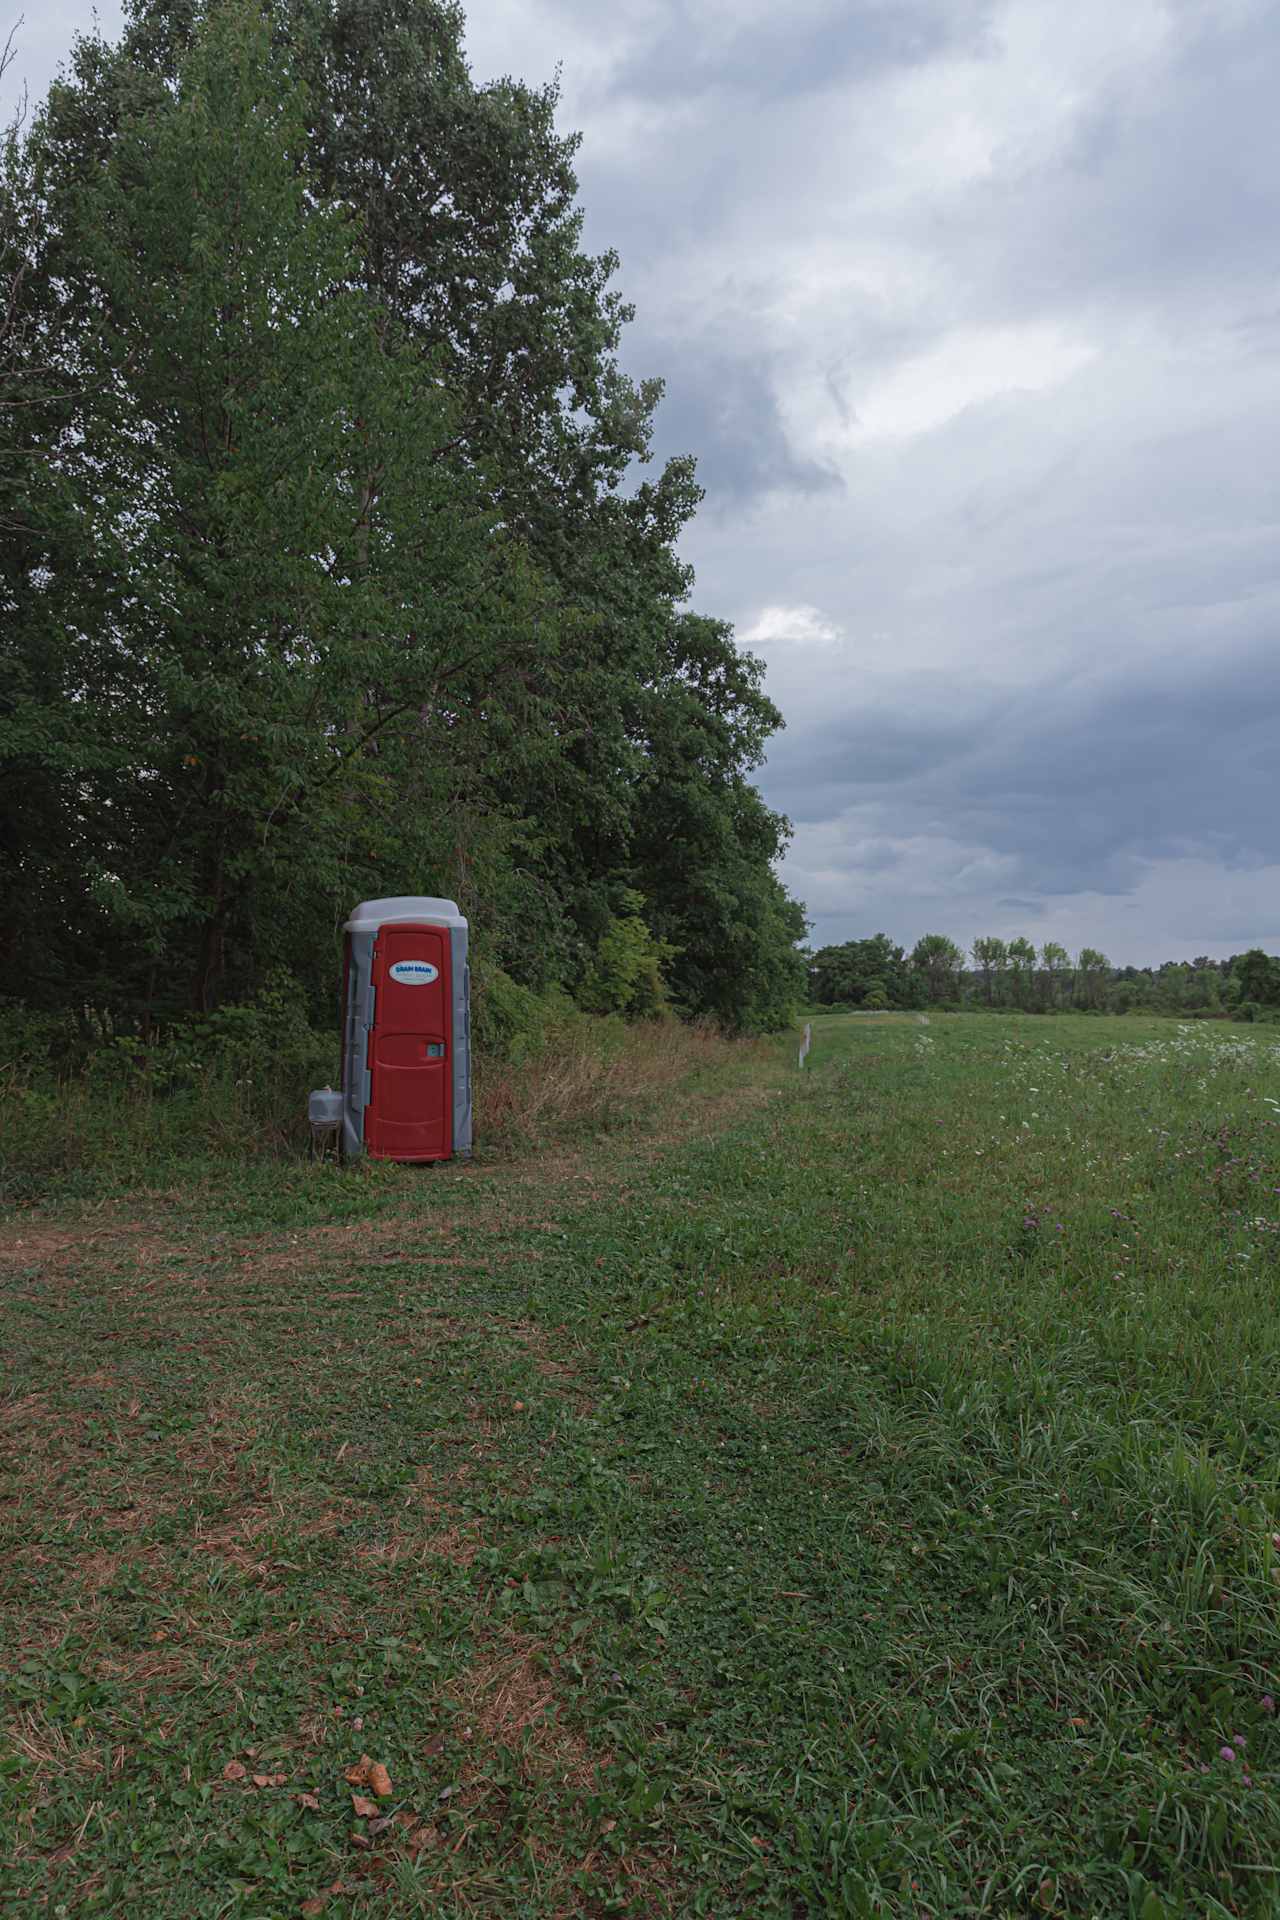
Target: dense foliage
{"points": [[1012, 974], [326, 569]]}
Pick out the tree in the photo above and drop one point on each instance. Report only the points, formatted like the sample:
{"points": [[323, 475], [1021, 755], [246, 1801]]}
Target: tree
{"points": [[850, 974], [1257, 976], [25, 375], [285, 591], [1022, 962], [626, 974], [1208, 987], [379, 347], [940, 962], [991, 957], [1092, 969], [1055, 965]]}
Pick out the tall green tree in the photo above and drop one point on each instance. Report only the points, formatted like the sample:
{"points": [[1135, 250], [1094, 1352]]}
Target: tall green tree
{"points": [[285, 588], [1055, 973], [341, 589], [1022, 964], [940, 962], [849, 974], [1257, 977], [1092, 972], [990, 956]]}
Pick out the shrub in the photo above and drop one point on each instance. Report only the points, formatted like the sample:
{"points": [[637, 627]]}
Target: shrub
{"points": [[509, 1022], [228, 1083], [626, 973], [32, 1043]]}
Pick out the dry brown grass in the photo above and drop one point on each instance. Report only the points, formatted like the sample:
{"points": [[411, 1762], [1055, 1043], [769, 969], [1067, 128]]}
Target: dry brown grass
{"points": [[50, 1251], [592, 1074], [507, 1698]]}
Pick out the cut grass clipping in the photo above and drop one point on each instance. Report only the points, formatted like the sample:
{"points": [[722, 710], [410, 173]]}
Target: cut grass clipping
{"points": [[856, 1494]]}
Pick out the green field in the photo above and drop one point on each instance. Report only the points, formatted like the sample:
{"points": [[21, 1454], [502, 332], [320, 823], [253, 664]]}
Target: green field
{"points": [[851, 1494]]}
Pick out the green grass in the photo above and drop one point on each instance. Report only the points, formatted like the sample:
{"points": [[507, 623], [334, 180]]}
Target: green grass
{"points": [[859, 1500]]}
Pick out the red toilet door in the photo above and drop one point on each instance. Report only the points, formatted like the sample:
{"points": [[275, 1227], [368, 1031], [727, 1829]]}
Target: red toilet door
{"points": [[410, 1111]]}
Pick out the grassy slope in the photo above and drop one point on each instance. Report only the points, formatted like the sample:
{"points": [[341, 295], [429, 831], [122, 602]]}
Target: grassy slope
{"points": [[859, 1500]]}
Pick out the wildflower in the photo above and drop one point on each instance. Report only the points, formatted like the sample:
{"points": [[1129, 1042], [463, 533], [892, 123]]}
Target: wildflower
{"points": [[1238, 1740], [1227, 1753], [1267, 1704]]}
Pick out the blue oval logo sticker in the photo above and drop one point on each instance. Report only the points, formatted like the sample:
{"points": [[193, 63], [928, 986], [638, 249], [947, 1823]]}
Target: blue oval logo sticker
{"points": [[414, 973]]}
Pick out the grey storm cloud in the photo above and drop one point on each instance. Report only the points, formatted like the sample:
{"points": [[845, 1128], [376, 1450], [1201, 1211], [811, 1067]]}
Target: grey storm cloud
{"points": [[721, 406], [776, 53], [969, 311], [1074, 788]]}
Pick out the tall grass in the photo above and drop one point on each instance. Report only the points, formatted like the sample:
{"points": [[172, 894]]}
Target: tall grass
{"points": [[123, 1123], [591, 1072]]}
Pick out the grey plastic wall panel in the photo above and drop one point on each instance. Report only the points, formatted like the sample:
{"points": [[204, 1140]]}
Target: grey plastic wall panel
{"points": [[461, 1038], [356, 1077]]}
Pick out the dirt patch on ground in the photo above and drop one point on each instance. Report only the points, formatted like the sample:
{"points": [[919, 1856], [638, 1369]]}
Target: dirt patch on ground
{"points": [[507, 1698], [457, 1543], [239, 1541], [54, 1251]]}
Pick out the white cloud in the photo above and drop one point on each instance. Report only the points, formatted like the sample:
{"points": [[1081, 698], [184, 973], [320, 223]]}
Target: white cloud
{"points": [[961, 371], [789, 627]]}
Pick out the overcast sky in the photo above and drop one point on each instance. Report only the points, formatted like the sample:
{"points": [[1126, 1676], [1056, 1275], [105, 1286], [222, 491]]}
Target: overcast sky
{"points": [[971, 314]]}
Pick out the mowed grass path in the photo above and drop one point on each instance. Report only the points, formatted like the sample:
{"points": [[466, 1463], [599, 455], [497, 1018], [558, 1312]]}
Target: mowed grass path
{"points": [[856, 1497]]}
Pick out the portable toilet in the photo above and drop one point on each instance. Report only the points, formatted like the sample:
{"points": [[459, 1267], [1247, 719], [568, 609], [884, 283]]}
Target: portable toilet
{"points": [[406, 1032]]}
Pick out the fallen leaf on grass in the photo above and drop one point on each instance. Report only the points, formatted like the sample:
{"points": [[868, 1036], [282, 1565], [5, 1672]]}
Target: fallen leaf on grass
{"points": [[362, 1808], [313, 1906], [369, 1773], [269, 1779], [234, 1770], [309, 1800]]}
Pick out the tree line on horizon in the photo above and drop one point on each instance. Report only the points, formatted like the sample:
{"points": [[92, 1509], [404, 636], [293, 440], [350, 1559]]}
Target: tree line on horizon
{"points": [[876, 974], [329, 564]]}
